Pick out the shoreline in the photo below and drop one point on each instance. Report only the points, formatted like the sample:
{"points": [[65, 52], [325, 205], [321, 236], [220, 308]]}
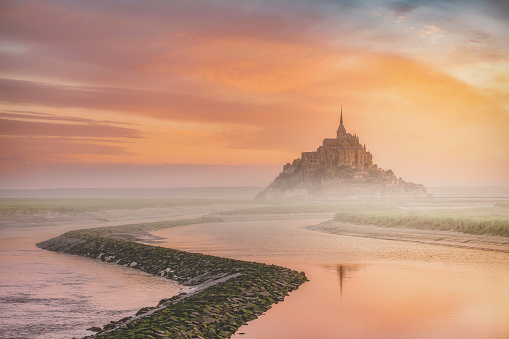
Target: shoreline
{"points": [[432, 237], [143, 235], [335, 251], [223, 294]]}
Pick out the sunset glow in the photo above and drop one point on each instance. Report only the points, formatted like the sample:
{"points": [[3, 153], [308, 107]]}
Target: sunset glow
{"points": [[216, 93]]}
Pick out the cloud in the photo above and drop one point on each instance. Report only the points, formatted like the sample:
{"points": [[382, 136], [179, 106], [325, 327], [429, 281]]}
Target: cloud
{"points": [[91, 129], [402, 8], [95, 38], [250, 81], [28, 115], [121, 175], [25, 139], [171, 106], [25, 150]]}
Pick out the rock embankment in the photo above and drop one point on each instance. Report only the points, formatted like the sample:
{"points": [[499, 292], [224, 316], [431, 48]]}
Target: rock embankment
{"points": [[225, 293]]}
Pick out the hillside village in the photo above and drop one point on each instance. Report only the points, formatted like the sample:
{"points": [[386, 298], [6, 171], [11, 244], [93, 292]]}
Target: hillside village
{"points": [[340, 168]]}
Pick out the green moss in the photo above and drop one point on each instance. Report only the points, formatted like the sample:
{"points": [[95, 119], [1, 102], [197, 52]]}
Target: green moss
{"points": [[216, 312]]}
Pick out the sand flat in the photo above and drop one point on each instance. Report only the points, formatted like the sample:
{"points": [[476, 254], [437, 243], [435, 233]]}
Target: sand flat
{"points": [[437, 237]]}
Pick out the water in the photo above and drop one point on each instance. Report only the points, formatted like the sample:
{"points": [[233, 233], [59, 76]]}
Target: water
{"points": [[53, 295], [360, 287]]}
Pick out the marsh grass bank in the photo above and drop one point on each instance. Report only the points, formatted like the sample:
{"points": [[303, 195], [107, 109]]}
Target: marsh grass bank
{"points": [[225, 293], [481, 217], [470, 225]]}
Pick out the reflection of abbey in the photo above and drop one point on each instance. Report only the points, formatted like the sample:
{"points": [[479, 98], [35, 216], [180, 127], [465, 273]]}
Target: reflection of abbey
{"points": [[344, 150], [340, 168]]}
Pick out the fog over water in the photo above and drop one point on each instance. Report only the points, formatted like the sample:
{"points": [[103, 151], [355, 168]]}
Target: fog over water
{"points": [[359, 287]]}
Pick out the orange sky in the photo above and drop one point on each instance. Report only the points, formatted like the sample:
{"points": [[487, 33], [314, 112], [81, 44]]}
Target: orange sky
{"points": [[131, 94]]}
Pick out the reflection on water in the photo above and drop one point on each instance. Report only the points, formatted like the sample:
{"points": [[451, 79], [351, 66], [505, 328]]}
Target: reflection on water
{"points": [[363, 288], [53, 295], [358, 288], [344, 272]]}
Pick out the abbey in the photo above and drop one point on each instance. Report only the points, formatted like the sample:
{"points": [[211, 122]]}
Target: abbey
{"points": [[344, 150], [340, 168]]}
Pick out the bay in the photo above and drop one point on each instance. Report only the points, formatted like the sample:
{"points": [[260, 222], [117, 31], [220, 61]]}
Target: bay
{"points": [[362, 287]]}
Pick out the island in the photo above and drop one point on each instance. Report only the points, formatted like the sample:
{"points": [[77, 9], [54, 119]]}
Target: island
{"points": [[340, 168]]}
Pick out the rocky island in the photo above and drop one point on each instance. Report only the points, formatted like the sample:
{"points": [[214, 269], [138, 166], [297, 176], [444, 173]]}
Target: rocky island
{"points": [[340, 168]]}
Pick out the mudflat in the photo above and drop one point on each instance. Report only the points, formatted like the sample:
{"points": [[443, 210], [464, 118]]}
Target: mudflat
{"points": [[446, 238]]}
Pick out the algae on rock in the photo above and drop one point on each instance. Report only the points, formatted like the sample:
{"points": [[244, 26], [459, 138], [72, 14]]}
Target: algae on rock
{"points": [[225, 294]]}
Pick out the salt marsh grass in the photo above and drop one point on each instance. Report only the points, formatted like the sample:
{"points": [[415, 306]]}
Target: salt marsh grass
{"points": [[483, 217], [468, 216]]}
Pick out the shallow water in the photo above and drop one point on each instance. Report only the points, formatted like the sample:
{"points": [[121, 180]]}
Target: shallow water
{"points": [[53, 295], [360, 287]]}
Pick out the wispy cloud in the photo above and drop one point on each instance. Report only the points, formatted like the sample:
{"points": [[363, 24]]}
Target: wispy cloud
{"points": [[37, 137], [250, 81], [402, 8], [38, 151], [98, 130], [29, 115]]}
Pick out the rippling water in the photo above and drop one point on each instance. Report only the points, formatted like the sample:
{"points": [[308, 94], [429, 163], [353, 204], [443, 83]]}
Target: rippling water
{"points": [[359, 288], [54, 295], [363, 288]]}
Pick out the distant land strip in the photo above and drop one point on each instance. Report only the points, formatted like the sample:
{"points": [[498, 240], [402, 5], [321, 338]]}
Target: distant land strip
{"points": [[387, 216], [224, 294], [471, 225]]}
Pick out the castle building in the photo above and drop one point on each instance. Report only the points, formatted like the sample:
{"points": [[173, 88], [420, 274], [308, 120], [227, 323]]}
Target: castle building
{"points": [[340, 168], [344, 150]]}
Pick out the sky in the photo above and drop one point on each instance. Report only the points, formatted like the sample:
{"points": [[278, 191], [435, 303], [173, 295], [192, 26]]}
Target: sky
{"points": [[224, 93]]}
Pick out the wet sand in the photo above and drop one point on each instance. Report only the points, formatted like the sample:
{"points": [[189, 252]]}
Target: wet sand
{"points": [[360, 286], [46, 225], [437, 237], [62, 222]]}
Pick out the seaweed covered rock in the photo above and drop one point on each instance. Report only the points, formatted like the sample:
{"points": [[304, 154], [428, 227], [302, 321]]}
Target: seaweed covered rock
{"points": [[225, 294]]}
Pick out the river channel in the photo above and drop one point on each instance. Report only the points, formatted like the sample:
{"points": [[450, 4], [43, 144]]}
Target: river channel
{"points": [[361, 287]]}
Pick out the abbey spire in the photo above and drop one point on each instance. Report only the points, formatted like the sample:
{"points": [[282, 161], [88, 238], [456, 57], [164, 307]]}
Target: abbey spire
{"points": [[341, 132]]}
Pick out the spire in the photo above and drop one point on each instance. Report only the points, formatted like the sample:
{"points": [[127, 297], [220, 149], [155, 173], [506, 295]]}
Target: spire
{"points": [[341, 129]]}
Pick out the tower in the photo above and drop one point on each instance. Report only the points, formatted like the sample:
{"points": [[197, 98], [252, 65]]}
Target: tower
{"points": [[341, 132]]}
